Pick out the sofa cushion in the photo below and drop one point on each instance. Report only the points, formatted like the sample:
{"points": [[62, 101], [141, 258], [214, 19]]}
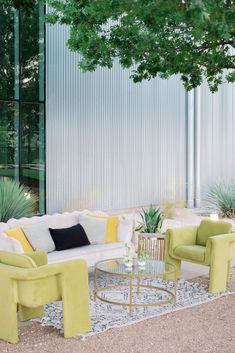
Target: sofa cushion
{"points": [[57, 220], [90, 253], [67, 238], [39, 237], [18, 260], [95, 228], [125, 228], [191, 252], [19, 235], [209, 228], [125, 225], [111, 226]]}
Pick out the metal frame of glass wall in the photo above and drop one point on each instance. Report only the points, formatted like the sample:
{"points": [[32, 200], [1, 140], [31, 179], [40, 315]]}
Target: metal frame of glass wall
{"points": [[22, 97]]}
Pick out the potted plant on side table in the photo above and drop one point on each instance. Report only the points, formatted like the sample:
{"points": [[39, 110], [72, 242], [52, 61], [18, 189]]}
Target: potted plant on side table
{"points": [[148, 227]]}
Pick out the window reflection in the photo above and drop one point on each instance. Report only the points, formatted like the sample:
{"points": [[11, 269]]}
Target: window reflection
{"points": [[9, 129], [22, 97]]}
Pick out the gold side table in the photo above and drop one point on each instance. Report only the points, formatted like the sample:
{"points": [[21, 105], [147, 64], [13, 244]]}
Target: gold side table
{"points": [[153, 243]]}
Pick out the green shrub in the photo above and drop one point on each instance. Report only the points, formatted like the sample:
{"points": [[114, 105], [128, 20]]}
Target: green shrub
{"points": [[221, 198], [16, 200], [152, 220]]}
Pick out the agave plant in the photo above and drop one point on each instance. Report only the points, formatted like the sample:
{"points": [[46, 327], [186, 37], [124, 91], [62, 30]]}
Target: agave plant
{"points": [[221, 198], [15, 200], [152, 220]]}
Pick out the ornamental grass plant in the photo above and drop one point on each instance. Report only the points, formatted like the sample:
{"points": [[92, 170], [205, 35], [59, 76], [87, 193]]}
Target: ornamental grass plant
{"points": [[16, 200], [220, 197]]}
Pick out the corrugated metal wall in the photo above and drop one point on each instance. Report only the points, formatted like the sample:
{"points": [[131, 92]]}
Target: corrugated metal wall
{"points": [[110, 143], [217, 135]]}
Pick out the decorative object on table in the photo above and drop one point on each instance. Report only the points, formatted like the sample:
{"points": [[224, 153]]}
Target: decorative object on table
{"points": [[211, 244], [105, 316], [128, 261], [128, 247], [16, 200], [152, 220], [220, 197], [142, 256]]}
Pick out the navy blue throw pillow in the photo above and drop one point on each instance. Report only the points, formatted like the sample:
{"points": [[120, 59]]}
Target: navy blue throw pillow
{"points": [[68, 238]]}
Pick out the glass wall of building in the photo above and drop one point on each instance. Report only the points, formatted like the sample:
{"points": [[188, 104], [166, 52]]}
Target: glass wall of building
{"points": [[22, 103]]}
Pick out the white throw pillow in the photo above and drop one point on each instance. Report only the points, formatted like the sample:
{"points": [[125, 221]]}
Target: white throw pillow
{"points": [[39, 237], [125, 228], [95, 228]]}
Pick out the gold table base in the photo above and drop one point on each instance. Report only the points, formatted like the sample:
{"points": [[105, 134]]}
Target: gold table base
{"points": [[138, 285]]}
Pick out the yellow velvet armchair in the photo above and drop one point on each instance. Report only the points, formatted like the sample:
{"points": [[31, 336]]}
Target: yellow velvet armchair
{"points": [[27, 282], [211, 244]]}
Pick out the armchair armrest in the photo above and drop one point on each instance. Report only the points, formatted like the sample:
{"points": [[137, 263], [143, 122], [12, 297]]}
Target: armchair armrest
{"points": [[222, 238], [181, 236], [42, 271], [221, 245], [39, 257]]}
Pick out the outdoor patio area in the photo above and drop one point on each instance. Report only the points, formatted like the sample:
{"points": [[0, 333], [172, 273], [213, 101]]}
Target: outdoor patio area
{"points": [[206, 327], [117, 176]]}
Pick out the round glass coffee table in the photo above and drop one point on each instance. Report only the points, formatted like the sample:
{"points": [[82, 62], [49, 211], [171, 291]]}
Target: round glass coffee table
{"points": [[135, 276]]}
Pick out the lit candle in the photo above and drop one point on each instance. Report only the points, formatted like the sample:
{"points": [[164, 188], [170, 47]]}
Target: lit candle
{"points": [[214, 217]]}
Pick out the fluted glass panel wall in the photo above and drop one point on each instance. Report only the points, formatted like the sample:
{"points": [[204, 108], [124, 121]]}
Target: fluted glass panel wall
{"points": [[217, 135], [110, 143]]}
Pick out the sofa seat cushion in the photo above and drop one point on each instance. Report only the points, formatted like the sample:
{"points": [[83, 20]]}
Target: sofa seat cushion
{"points": [[191, 252], [90, 253], [210, 228]]}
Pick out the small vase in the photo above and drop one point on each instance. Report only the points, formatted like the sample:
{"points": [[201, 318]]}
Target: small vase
{"points": [[141, 263]]}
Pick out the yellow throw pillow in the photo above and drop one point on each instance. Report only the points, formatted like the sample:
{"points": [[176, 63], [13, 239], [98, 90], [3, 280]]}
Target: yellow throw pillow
{"points": [[111, 228], [19, 235]]}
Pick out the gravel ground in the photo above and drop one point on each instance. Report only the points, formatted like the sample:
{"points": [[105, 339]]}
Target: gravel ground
{"points": [[206, 328]]}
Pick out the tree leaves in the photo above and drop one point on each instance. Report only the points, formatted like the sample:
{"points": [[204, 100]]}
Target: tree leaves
{"points": [[190, 38]]}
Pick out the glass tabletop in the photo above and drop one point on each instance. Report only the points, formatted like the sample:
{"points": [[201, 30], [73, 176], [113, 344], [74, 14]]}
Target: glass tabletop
{"points": [[151, 268]]}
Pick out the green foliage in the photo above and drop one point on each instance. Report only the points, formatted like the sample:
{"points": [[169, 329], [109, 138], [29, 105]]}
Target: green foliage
{"points": [[221, 198], [192, 38], [28, 5], [152, 220], [143, 254], [15, 200]]}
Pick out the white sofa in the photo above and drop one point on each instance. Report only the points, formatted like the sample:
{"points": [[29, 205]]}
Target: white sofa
{"points": [[91, 253]]}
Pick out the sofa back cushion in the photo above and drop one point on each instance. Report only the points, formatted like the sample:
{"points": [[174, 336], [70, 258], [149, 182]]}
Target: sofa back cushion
{"points": [[111, 226], [95, 228], [68, 238], [39, 237], [125, 228], [56, 220], [209, 228], [19, 235]]}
